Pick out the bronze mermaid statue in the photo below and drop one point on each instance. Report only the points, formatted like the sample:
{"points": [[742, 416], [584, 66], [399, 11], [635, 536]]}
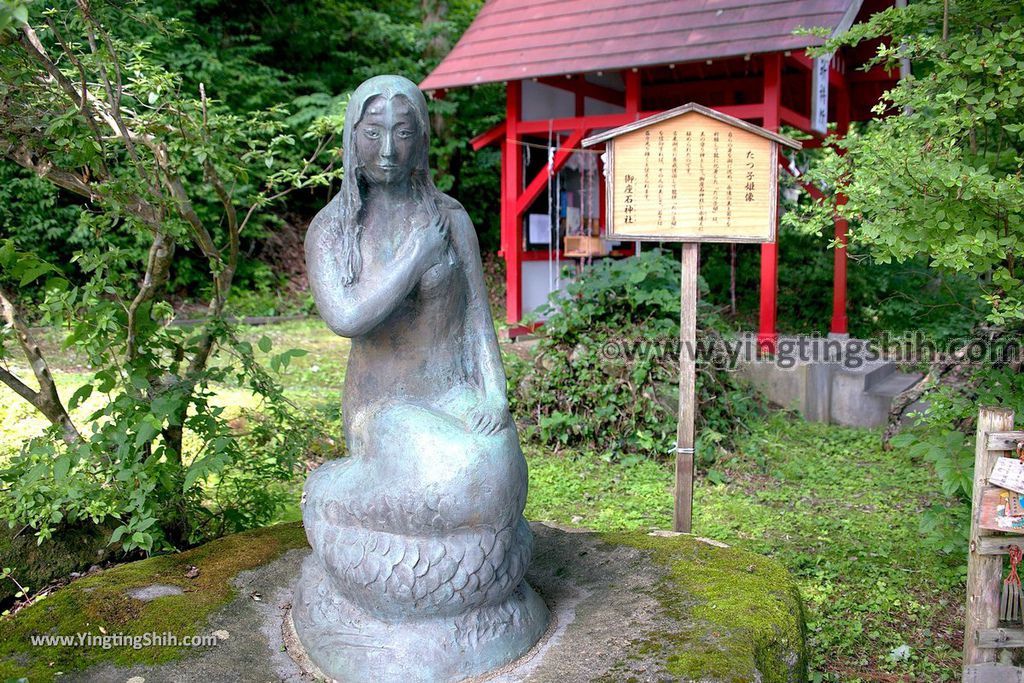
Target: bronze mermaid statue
{"points": [[419, 541]]}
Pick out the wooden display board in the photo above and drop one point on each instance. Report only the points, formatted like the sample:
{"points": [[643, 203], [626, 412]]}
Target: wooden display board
{"points": [[984, 634], [690, 175]]}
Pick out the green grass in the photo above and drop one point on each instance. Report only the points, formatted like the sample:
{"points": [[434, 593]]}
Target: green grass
{"points": [[314, 379], [827, 502]]}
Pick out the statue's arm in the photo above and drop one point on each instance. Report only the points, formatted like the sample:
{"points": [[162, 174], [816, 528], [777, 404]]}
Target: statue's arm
{"points": [[354, 309], [493, 412]]}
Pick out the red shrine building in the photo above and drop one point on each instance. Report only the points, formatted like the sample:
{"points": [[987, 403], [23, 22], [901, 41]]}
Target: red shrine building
{"points": [[576, 67]]}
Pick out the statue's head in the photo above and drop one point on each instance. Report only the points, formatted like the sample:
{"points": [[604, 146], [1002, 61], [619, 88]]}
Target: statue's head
{"points": [[385, 142], [386, 132]]}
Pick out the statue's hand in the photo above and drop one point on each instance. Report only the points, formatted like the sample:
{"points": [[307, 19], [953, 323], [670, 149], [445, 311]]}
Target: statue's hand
{"points": [[432, 240], [490, 416]]}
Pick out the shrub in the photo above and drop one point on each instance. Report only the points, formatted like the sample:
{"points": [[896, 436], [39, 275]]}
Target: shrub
{"points": [[605, 371]]}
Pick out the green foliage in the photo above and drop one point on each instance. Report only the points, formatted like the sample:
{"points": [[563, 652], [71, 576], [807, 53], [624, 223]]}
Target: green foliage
{"points": [[34, 214], [312, 53], [893, 298], [128, 466], [911, 297], [940, 173], [167, 169], [305, 56], [13, 13], [938, 176], [605, 371]]}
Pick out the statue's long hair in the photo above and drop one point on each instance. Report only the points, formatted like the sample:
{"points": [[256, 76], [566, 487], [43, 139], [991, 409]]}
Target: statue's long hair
{"points": [[353, 184]]}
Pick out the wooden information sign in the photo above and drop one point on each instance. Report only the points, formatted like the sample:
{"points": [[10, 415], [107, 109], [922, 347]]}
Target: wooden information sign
{"points": [[691, 175], [1008, 473]]}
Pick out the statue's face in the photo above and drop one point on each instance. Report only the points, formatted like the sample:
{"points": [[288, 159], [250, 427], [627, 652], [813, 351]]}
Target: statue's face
{"points": [[387, 140]]}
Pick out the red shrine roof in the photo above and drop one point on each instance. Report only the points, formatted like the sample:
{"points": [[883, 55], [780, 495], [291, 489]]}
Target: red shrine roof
{"points": [[515, 39]]}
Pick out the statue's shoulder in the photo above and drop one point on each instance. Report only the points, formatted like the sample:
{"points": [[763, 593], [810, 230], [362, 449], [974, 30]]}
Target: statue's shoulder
{"points": [[325, 220], [331, 211], [454, 209]]}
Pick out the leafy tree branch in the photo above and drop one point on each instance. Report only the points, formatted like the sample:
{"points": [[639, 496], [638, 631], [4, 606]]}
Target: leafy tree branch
{"points": [[95, 114]]}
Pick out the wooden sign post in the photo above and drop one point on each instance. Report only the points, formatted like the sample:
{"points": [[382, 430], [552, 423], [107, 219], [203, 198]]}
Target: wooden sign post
{"points": [[691, 175]]}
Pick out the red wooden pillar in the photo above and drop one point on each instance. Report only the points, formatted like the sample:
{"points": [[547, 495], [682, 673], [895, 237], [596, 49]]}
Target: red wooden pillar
{"points": [[631, 79], [766, 333], [839, 325], [601, 197], [839, 321], [511, 186]]}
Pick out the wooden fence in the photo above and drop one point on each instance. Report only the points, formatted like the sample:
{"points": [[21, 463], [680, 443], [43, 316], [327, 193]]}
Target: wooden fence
{"points": [[983, 637]]}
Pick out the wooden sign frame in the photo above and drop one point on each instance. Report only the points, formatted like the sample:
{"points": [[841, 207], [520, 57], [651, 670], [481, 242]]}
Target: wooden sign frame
{"points": [[774, 140], [773, 189]]}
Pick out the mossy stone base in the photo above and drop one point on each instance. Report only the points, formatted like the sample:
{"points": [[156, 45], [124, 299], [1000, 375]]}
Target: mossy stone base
{"points": [[103, 604], [625, 607], [634, 606]]}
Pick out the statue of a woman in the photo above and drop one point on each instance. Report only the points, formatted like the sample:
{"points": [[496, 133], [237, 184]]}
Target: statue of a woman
{"points": [[419, 543]]}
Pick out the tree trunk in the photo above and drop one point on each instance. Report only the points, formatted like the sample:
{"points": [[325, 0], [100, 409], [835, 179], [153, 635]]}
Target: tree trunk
{"points": [[433, 13]]}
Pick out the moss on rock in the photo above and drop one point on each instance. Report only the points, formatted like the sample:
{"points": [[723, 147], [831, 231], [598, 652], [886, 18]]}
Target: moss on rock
{"points": [[100, 605], [73, 548], [744, 610]]}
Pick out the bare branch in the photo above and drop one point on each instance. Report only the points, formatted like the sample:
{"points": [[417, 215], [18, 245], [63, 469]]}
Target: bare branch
{"points": [[321, 146], [83, 99], [19, 387], [114, 93], [34, 48], [226, 200], [45, 169], [47, 399]]}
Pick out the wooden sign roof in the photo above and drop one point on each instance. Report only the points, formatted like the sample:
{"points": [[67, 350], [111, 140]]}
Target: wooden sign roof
{"points": [[515, 39], [685, 109]]}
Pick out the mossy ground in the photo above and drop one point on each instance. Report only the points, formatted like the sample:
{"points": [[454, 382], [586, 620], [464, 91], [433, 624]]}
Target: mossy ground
{"points": [[748, 609], [100, 605]]}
